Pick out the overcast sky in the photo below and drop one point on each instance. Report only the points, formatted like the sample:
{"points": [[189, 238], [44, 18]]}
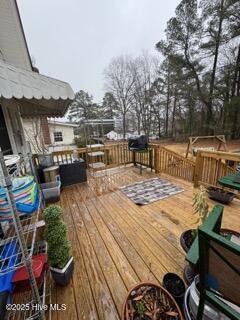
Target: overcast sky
{"points": [[74, 40]]}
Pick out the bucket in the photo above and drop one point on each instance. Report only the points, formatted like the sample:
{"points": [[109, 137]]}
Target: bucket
{"points": [[51, 174]]}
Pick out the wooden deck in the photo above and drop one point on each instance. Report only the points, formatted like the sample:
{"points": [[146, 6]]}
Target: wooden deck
{"points": [[117, 244]]}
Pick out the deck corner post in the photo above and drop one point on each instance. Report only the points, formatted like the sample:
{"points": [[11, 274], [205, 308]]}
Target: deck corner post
{"points": [[197, 175], [156, 159]]}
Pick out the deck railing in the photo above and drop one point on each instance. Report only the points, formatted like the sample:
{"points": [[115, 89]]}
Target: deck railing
{"points": [[210, 166], [115, 154], [206, 169], [172, 163]]}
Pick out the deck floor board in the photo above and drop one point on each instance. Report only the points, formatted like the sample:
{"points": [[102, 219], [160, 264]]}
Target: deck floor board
{"points": [[117, 244]]}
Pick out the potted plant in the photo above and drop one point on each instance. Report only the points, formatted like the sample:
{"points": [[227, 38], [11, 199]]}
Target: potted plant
{"points": [[59, 255], [175, 285], [148, 301], [200, 207]]}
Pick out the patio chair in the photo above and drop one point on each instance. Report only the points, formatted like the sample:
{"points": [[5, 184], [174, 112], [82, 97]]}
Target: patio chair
{"points": [[219, 266], [212, 223]]}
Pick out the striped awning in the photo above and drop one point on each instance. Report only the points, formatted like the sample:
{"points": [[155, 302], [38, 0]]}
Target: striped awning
{"points": [[37, 95]]}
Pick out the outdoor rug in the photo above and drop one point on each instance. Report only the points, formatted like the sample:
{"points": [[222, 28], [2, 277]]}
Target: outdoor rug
{"points": [[150, 190]]}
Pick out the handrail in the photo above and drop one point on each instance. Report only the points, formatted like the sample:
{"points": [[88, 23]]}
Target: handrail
{"points": [[172, 152], [220, 154]]}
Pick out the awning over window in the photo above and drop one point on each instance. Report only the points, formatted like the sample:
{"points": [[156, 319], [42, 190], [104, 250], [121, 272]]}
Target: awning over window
{"points": [[36, 94]]}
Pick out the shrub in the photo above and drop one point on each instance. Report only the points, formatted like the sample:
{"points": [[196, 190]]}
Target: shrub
{"points": [[52, 214], [56, 237]]}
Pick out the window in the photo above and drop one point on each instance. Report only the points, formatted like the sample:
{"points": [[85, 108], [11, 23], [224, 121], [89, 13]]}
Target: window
{"points": [[58, 136]]}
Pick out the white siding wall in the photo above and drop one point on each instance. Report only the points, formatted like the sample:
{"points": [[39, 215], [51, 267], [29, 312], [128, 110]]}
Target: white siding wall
{"points": [[67, 134]]}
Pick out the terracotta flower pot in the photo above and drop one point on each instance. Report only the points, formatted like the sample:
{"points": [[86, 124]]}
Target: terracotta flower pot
{"points": [[137, 293]]}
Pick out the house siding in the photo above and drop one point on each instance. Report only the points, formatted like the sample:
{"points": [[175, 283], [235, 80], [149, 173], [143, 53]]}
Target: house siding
{"points": [[13, 47], [67, 133]]}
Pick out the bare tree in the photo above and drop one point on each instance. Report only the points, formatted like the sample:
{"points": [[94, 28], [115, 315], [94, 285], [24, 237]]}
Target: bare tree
{"points": [[145, 68], [120, 78], [34, 135]]}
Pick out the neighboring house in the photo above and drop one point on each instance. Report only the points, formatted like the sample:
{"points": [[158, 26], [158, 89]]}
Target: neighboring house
{"points": [[112, 135], [53, 133], [23, 91], [62, 133]]}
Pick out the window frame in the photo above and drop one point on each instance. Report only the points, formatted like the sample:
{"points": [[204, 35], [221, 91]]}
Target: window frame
{"points": [[58, 136]]}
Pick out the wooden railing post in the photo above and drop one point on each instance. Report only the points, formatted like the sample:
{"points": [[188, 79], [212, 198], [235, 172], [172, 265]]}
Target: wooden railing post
{"points": [[156, 159], [134, 158], [198, 171]]}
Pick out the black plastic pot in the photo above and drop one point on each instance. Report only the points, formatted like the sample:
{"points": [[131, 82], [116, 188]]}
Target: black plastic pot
{"points": [[220, 195], [189, 273], [62, 276], [186, 240], [175, 285]]}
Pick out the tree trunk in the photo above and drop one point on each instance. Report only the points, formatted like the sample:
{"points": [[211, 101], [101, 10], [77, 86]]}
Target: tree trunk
{"points": [[159, 128], [236, 92], [209, 122], [138, 124], [173, 115], [124, 126], [236, 74], [167, 104]]}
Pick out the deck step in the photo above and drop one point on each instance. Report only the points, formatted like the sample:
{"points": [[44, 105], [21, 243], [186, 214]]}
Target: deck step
{"points": [[96, 154], [97, 165]]}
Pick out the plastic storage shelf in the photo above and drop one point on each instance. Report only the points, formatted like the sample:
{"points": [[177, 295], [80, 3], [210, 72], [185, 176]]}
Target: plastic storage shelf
{"points": [[17, 242], [31, 312], [10, 240]]}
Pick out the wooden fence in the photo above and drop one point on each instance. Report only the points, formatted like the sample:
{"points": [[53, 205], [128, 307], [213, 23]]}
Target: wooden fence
{"points": [[206, 169]]}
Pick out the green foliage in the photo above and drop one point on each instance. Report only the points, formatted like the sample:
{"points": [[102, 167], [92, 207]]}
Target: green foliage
{"points": [[200, 204], [141, 308], [200, 207], [59, 256], [110, 106], [82, 107], [52, 214], [56, 233], [56, 237], [80, 142]]}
